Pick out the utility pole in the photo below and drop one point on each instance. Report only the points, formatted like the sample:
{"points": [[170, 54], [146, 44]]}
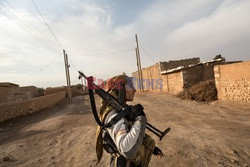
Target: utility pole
{"points": [[136, 53], [85, 84], [67, 75], [139, 63], [82, 81]]}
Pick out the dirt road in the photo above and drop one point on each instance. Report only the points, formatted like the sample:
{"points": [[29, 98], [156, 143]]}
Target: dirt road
{"points": [[214, 134]]}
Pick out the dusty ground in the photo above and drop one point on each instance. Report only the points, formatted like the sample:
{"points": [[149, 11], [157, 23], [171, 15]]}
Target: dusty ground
{"points": [[214, 134]]}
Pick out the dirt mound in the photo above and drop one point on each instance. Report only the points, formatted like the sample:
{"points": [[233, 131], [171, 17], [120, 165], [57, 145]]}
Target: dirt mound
{"points": [[202, 92]]}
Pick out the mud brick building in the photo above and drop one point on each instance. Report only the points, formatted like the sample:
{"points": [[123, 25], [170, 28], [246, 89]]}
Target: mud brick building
{"points": [[185, 73], [53, 90], [7, 88], [10, 92], [233, 81], [164, 66], [32, 90]]}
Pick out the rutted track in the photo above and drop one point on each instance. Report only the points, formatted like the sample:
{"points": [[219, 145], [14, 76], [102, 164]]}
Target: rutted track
{"points": [[215, 134]]}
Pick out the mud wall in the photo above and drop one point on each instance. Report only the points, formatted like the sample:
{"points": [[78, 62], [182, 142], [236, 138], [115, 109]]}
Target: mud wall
{"points": [[192, 75], [176, 81], [233, 81], [21, 108], [151, 78], [30, 89], [154, 81], [5, 90], [173, 82], [53, 90], [176, 63], [208, 71]]}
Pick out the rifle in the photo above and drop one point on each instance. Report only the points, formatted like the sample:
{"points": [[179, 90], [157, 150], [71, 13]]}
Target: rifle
{"points": [[110, 100]]}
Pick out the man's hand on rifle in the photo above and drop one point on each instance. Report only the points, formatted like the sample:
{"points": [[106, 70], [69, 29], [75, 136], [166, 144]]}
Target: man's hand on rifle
{"points": [[135, 111], [158, 153]]}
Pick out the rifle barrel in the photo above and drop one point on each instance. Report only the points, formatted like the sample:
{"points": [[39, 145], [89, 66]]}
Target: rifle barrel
{"points": [[156, 131]]}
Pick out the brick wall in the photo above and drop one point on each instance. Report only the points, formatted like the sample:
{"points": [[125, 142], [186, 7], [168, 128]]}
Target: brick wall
{"points": [[192, 75], [199, 73], [208, 71], [233, 81], [173, 82], [149, 72], [149, 75], [154, 81], [176, 81], [17, 109], [176, 63]]}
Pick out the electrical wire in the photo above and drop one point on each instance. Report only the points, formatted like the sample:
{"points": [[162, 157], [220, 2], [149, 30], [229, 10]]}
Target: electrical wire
{"points": [[75, 68], [40, 37], [109, 53], [40, 69], [10, 16], [47, 25], [52, 61], [26, 28], [147, 53], [28, 23]]}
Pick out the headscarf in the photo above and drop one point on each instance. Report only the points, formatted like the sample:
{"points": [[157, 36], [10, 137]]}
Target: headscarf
{"points": [[113, 86]]}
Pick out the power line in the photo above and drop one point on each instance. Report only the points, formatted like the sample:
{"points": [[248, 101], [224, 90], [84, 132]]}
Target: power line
{"points": [[23, 26], [147, 53], [29, 24], [40, 69], [52, 61], [14, 17], [38, 36], [47, 25], [121, 51], [109, 53], [75, 68]]}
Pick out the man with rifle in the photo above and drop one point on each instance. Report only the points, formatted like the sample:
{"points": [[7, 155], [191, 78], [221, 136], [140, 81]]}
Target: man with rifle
{"points": [[123, 136]]}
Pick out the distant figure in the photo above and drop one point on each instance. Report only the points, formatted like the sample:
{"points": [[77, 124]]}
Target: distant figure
{"points": [[125, 141]]}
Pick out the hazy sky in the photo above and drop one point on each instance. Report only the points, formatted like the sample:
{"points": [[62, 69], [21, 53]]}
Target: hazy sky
{"points": [[99, 36]]}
